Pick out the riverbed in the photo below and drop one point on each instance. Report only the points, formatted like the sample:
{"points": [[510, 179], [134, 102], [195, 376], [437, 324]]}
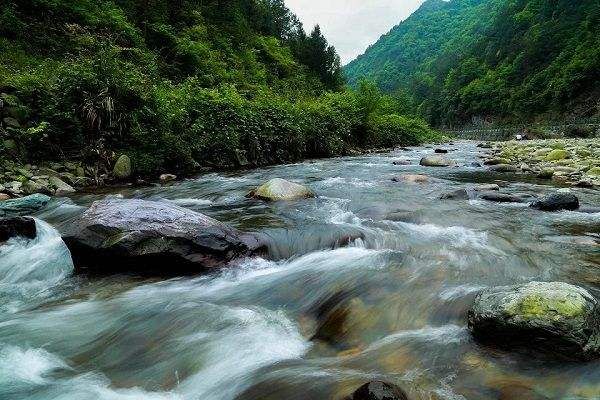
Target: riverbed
{"points": [[400, 266]]}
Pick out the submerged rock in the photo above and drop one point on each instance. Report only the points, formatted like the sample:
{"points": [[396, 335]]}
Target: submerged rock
{"points": [[23, 206], [435, 161], [503, 168], [500, 197], [555, 316], [17, 227], [377, 390], [280, 189], [557, 202], [151, 238], [411, 178]]}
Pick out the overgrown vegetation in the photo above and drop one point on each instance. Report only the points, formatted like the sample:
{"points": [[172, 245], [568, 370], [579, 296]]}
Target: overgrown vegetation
{"points": [[471, 61], [176, 84]]}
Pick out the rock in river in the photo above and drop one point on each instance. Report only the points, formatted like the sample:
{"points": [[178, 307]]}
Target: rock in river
{"points": [[411, 178], [377, 390], [503, 168], [280, 189], [23, 206], [17, 227], [500, 197], [555, 317], [151, 238], [435, 161], [556, 202]]}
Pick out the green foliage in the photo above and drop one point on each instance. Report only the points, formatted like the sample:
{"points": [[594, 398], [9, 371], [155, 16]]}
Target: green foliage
{"points": [[492, 60], [177, 84]]}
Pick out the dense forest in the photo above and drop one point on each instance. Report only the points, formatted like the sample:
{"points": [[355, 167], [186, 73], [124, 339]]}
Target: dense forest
{"points": [[178, 84], [472, 61]]}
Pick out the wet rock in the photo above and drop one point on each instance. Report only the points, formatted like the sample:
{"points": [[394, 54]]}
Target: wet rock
{"points": [[377, 390], [475, 164], [503, 168], [151, 238], [435, 161], [61, 188], [122, 168], [401, 162], [441, 151], [17, 227], [280, 189], [164, 178], [458, 194], [557, 202], [500, 197], [411, 217], [23, 206], [411, 178], [496, 161], [556, 317], [487, 187], [547, 173], [4, 196]]}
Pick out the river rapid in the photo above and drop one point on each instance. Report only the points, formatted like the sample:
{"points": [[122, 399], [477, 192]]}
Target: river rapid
{"points": [[400, 267]]}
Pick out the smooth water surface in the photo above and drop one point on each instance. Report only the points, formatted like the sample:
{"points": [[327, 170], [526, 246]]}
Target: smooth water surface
{"points": [[396, 267]]}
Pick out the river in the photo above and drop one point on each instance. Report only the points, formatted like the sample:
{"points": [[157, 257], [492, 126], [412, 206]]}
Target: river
{"points": [[400, 266]]}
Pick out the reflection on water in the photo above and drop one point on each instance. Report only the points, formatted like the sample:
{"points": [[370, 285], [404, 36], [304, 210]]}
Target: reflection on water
{"points": [[370, 280]]}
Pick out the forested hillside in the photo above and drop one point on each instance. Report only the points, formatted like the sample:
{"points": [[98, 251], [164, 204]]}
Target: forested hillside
{"points": [[492, 60], [175, 85]]}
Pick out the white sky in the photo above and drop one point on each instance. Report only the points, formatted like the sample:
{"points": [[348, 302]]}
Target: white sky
{"points": [[352, 25]]}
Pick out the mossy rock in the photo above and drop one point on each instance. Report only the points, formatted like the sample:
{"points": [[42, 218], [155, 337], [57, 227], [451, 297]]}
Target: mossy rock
{"points": [[594, 171], [280, 189], [122, 168], [556, 155], [555, 317]]}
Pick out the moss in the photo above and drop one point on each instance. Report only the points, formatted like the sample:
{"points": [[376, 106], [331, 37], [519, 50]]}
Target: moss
{"points": [[538, 306], [556, 155]]}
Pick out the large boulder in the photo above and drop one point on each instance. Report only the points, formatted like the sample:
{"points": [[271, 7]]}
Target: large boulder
{"points": [[151, 238], [436, 161], [377, 390], [280, 189], [23, 206], [122, 168], [556, 202], [556, 317], [17, 227]]}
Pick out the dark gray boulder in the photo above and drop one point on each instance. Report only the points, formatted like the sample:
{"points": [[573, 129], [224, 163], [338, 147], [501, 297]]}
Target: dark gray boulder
{"points": [[377, 390], [17, 227], [23, 206], [500, 197], [555, 317], [458, 194], [557, 202], [151, 238], [503, 168]]}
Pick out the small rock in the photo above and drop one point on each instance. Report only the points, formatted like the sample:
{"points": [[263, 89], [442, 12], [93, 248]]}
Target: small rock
{"points": [[459, 194], [17, 227], [496, 161], [401, 162], [411, 178], [164, 178], [121, 170], [280, 189], [487, 187], [500, 197], [557, 202], [503, 168], [377, 390], [547, 173], [4, 196], [441, 151], [435, 161], [475, 164], [555, 316]]}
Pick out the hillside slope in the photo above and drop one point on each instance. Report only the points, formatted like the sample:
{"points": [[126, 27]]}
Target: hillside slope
{"points": [[493, 60]]}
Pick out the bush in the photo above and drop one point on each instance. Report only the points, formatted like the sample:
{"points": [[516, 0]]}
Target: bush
{"points": [[396, 130]]}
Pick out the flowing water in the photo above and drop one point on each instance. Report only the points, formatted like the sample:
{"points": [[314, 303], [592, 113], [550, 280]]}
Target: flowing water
{"points": [[398, 267]]}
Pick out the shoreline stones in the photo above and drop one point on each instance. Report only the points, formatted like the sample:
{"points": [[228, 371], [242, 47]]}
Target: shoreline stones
{"points": [[152, 238], [279, 189], [17, 227], [555, 317]]}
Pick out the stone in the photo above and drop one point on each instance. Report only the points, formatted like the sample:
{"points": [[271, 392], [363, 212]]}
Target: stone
{"points": [[401, 162], [500, 197], [556, 317], [11, 122], [32, 187], [23, 206], [496, 161], [411, 178], [458, 194], [547, 173], [487, 187], [543, 152], [151, 238], [280, 189], [17, 227], [503, 168], [164, 178], [557, 154], [61, 188], [435, 161], [378, 390], [594, 171], [440, 151], [557, 202], [475, 164], [4, 196], [121, 170]]}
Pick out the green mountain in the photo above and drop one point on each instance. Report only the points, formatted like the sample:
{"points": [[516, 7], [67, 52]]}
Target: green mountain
{"points": [[466, 61]]}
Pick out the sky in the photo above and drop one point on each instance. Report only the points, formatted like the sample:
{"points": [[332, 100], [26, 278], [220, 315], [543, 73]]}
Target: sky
{"points": [[352, 25]]}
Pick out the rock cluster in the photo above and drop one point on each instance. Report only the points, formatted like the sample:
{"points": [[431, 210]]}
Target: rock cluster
{"points": [[566, 161], [56, 179]]}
